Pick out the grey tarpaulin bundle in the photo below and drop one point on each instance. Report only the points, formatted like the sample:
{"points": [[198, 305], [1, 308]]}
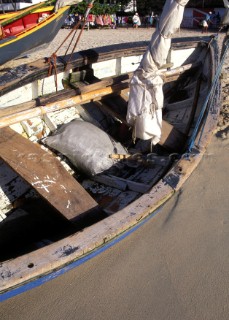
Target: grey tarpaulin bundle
{"points": [[86, 146]]}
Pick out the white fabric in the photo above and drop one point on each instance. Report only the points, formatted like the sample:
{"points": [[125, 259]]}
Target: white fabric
{"points": [[63, 3], [204, 23], [225, 19], [136, 20], [146, 95], [226, 3]]}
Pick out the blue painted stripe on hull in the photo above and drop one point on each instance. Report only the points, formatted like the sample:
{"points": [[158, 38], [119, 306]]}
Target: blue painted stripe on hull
{"points": [[38, 282]]}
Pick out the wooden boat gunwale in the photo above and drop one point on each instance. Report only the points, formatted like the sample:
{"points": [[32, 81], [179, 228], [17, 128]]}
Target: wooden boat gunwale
{"points": [[39, 69], [66, 251]]}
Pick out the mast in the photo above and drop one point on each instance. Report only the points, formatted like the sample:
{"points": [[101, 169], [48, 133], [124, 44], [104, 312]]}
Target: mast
{"points": [[146, 95]]}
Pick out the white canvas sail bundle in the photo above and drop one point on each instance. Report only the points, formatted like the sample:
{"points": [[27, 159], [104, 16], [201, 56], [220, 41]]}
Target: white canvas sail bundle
{"points": [[63, 3], [146, 95], [225, 19]]}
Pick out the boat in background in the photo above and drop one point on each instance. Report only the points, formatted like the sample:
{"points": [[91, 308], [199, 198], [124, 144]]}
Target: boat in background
{"points": [[29, 29], [57, 210], [7, 6], [7, 16]]}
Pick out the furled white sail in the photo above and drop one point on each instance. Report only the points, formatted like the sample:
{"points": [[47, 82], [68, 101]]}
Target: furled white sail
{"points": [[63, 3], [226, 3], [225, 19], [146, 95]]}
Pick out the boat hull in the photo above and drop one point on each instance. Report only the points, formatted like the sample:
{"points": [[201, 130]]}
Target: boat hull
{"points": [[44, 264], [43, 33]]}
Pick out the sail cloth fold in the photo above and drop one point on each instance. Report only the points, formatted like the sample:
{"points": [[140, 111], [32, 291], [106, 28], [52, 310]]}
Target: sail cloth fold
{"points": [[146, 98], [225, 19], [63, 3]]}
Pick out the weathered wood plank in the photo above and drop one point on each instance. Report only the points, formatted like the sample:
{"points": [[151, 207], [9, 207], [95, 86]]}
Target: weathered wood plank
{"points": [[122, 184], [121, 201], [171, 138], [45, 174], [63, 104], [114, 182], [38, 69], [17, 108]]}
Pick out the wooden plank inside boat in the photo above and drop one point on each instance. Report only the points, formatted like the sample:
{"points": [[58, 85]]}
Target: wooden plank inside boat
{"points": [[45, 174], [171, 138]]}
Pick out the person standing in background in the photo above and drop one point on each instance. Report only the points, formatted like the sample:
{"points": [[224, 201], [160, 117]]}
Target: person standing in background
{"points": [[136, 20], [204, 25], [151, 20], [156, 18], [208, 18]]}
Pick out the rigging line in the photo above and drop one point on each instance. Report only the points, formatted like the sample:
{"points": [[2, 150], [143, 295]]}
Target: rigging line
{"points": [[212, 89], [70, 42], [77, 41], [90, 5], [53, 58], [75, 28]]}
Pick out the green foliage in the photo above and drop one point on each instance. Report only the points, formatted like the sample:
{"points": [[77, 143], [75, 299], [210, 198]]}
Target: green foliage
{"points": [[144, 6], [97, 9], [80, 8]]}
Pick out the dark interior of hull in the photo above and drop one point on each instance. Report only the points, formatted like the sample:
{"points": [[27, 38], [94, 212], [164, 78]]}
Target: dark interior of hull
{"points": [[32, 223]]}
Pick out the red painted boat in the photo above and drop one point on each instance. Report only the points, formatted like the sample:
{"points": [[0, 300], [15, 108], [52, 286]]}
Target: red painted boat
{"points": [[28, 30]]}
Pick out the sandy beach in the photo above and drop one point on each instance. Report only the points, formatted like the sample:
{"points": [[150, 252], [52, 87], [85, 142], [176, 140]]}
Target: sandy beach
{"points": [[176, 266]]}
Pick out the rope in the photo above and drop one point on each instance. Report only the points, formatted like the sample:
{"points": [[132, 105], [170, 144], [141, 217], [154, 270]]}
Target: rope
{"points": [[52, 60], [90, 5], [192, 139], [52, 65], [73, 29]]}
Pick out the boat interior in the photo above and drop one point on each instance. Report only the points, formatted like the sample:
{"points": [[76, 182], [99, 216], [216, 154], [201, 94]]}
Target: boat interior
{"points": [[32, 219]]}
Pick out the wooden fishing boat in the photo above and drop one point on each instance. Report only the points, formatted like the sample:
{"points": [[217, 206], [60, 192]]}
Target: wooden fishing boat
{"points": [[35, 8], [56, 214], [9, 6], [28, 29]]}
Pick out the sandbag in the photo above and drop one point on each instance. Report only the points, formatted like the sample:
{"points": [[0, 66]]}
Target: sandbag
{"points": [[86, 146]]}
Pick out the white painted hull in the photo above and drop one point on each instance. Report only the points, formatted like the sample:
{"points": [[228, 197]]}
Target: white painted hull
{"points": [[28, 267]]}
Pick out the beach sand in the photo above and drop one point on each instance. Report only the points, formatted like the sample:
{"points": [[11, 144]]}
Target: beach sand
{"points": [[176, 266]]}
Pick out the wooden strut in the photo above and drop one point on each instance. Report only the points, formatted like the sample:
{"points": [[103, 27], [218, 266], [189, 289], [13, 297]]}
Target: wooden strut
{"points": [[167, 76], [170, 136], [49, 178], [45, 174], [59, 105]]}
